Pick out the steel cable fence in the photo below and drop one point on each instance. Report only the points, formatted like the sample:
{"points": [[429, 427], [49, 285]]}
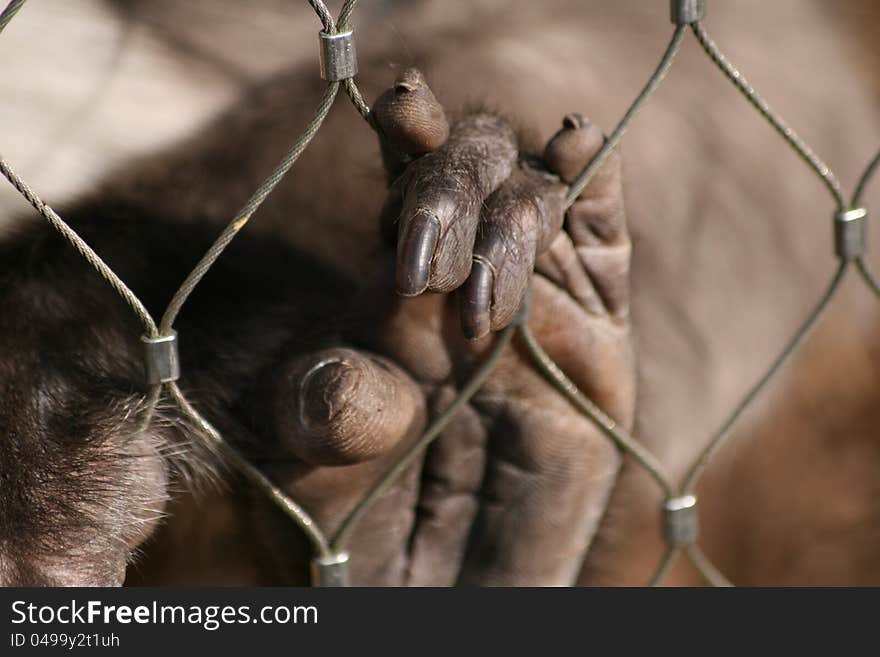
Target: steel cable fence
{"points": [[680, 502]]}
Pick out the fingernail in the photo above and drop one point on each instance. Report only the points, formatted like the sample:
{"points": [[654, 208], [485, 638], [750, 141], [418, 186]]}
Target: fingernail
{"points": [[415, 252], [318, 388], [410, 80], [335, 419], [476, 312], [574, 121]]}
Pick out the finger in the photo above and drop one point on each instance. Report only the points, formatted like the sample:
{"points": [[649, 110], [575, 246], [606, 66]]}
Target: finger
{"points": [[340, 406], [596, 220], [443, 195], [547, 477], [608, 269], [451, 476], [410, 121], [521, 220], [595, 354], [357, 413], [597, 215], [549, 469], [562, 264]]}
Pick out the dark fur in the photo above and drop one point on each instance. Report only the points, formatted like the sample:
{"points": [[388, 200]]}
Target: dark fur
{"points": [[75, 472]]}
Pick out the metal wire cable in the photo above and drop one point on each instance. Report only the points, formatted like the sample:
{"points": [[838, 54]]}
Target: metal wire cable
{"points": [[9, 13], [606, 424], [583, 179], [344, 20], [864, 180], [706, 568], [243, 216], [351, 89], [870, 281], [324, 15], [785, 131], [80, 245], [154, 394], [293, 510], [665, 565], [357, 100], [861, 186]]}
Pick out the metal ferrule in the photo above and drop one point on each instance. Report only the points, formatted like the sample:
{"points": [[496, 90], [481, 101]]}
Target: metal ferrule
{"points": [[330, 571], [338, 56], [682, 527], [849, 233], [683, 12], [162, 362]]}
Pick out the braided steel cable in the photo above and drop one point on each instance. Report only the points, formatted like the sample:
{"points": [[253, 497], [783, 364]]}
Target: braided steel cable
{"points": [[583, 179], [81, 246], [478, 378], [807, 154], [9, 13]]}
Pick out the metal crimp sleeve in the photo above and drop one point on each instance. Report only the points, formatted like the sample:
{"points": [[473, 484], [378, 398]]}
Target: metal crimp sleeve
{"points": [[331, 570], [682, 527], [161, 359], [849, 233], [682, 12], [338, 56]]}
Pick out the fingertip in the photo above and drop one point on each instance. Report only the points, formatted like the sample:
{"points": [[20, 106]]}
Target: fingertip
{"points": [[409, 116], [344, 407], [573, 146]]}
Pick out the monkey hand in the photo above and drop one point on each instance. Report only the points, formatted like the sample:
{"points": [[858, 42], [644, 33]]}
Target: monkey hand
{"points": [[512, 490]]}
